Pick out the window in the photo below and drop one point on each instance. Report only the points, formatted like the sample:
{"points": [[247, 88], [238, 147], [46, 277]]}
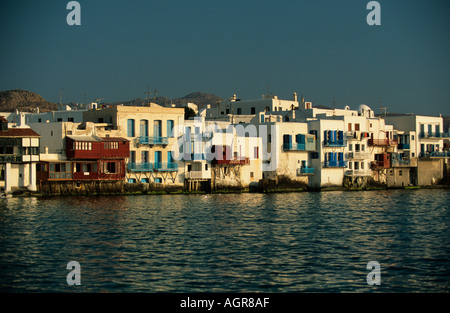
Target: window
{"points": [[356, 127], [356, 165], [228, 111], [362, 165], [251, 175], [130, 128], [239, 111], [349, 126], [252, 110], [108, 145], [350, 147], [110, 168], [256, 152], [143, 128], [400, 173], [70, 119], [206, 166], [170, 125], [157, 128], [350, 165]]}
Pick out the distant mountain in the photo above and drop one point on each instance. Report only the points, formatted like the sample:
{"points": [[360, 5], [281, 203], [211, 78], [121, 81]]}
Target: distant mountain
{"points": [[199, 98], [24, 101]]}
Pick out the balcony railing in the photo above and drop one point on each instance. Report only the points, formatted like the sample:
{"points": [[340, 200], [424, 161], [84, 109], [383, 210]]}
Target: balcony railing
{"points": [[403, 146], [151, 167], [305, 171], [198, 175], [406, 163], [335, 164], [10, 158], [358, 155], [357, 173], [165, 166], [442, 154], [383, 142], [434, 135], [336, 143], [380, 164], [310, 146], [145, 140], [235, 161]]}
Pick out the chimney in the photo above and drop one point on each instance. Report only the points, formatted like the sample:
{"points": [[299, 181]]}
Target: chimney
{"points": [[295, 96], [21, 119]]}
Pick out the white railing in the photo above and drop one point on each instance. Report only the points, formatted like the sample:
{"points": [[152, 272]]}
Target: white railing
{"points": [[198, 175]]}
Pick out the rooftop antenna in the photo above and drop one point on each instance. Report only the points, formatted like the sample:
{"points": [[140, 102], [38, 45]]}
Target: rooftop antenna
{"points": [[154, 94], [383, 110], [60, 96], [148, 93], [334, 103]]}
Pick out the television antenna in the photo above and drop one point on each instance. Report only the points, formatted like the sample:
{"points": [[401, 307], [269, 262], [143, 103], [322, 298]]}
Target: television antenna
{"points": [[383, 110]]}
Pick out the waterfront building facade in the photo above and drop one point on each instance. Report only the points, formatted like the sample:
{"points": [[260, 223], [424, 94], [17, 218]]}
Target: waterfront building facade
{"points": [[19, 153], [152, 131]]}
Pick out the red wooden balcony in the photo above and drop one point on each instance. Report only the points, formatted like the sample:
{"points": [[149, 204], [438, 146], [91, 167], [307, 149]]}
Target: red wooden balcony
{"points": [[234, 161], [91, 147]]}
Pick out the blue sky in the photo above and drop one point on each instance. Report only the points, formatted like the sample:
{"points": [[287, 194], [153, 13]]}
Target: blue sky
{"points": [[322, 49]]}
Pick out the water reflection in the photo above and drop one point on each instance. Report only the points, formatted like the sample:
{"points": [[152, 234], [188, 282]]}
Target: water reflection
{"points": [[310, 242]]}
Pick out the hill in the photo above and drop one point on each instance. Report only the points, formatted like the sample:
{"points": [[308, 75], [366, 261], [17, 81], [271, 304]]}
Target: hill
{"points": [[24, 101], [199, 98]]}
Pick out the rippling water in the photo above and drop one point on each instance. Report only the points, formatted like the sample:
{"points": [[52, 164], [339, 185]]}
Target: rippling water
{"points": [[295, 242]]}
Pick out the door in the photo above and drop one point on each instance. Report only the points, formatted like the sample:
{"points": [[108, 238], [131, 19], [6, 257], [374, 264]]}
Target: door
{"points": [[158, 159], [157, 131], [143, 128]]}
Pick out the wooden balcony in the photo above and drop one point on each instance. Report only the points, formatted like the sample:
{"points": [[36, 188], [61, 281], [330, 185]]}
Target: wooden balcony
{"points": [[383, 142], [234, 161]]}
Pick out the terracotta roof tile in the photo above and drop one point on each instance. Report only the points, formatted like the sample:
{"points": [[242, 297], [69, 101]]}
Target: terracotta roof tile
{"points": [[19, 132]]}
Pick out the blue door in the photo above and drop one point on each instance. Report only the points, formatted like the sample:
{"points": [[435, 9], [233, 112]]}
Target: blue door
{"points": [[170, 130], [157, 129], [158, 157], [143, 128], [130, 128]]}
